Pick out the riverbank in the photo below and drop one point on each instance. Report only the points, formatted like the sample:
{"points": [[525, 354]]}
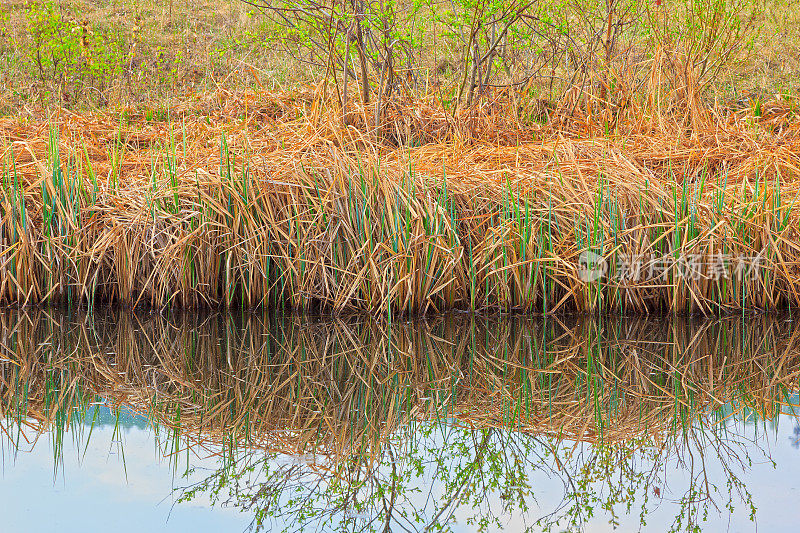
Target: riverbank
{"points": [[270, 199]]}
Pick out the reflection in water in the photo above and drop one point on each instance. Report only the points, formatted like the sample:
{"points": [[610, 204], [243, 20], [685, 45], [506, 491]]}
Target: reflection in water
{"points": [[457, 422]]}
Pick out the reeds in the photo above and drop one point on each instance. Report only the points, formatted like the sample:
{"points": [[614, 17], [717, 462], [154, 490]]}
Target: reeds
{"points": [[273, 203]]}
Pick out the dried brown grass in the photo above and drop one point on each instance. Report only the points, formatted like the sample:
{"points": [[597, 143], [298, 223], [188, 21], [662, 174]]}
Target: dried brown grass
{"points": [[427, 212]]}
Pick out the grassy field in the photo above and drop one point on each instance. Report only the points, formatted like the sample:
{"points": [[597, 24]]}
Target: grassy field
{"points": [[627, 157], [85, 54]]}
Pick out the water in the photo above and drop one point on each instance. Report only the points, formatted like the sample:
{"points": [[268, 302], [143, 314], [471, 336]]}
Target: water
{"points": [[229, 422]]}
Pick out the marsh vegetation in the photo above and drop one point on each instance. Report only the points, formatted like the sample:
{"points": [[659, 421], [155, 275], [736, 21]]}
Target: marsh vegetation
{"points": [[404, 265]]}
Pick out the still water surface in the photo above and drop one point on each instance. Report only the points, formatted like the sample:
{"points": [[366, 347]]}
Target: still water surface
{"points": [[229, 422]]}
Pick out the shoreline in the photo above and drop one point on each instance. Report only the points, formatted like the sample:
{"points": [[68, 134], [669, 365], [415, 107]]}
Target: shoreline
{"points": [[274, 203]]}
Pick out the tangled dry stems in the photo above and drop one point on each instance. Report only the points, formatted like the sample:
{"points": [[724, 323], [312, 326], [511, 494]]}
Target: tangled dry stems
{"points": [[273, 200]]}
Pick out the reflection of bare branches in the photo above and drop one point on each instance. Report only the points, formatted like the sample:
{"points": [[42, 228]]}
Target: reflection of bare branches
{"points": [[446, 511]]}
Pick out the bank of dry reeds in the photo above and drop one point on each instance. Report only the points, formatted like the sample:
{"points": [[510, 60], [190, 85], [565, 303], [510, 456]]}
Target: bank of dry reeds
{"points": [[271, 200]]}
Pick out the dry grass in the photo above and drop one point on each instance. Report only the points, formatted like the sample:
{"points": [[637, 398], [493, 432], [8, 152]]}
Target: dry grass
{"points": [[267, 199]]}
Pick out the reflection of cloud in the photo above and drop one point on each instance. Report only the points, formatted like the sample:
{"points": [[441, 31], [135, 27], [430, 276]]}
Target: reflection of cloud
{"points": [[99, 491], [93, 493]]}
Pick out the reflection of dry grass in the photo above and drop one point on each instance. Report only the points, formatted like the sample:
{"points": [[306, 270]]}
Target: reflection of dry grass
{"points": [[341, 388], [291, 208]]}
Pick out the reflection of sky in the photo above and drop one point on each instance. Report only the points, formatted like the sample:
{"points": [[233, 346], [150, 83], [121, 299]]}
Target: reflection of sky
{"points": [[775, 488], [92, 492]]}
